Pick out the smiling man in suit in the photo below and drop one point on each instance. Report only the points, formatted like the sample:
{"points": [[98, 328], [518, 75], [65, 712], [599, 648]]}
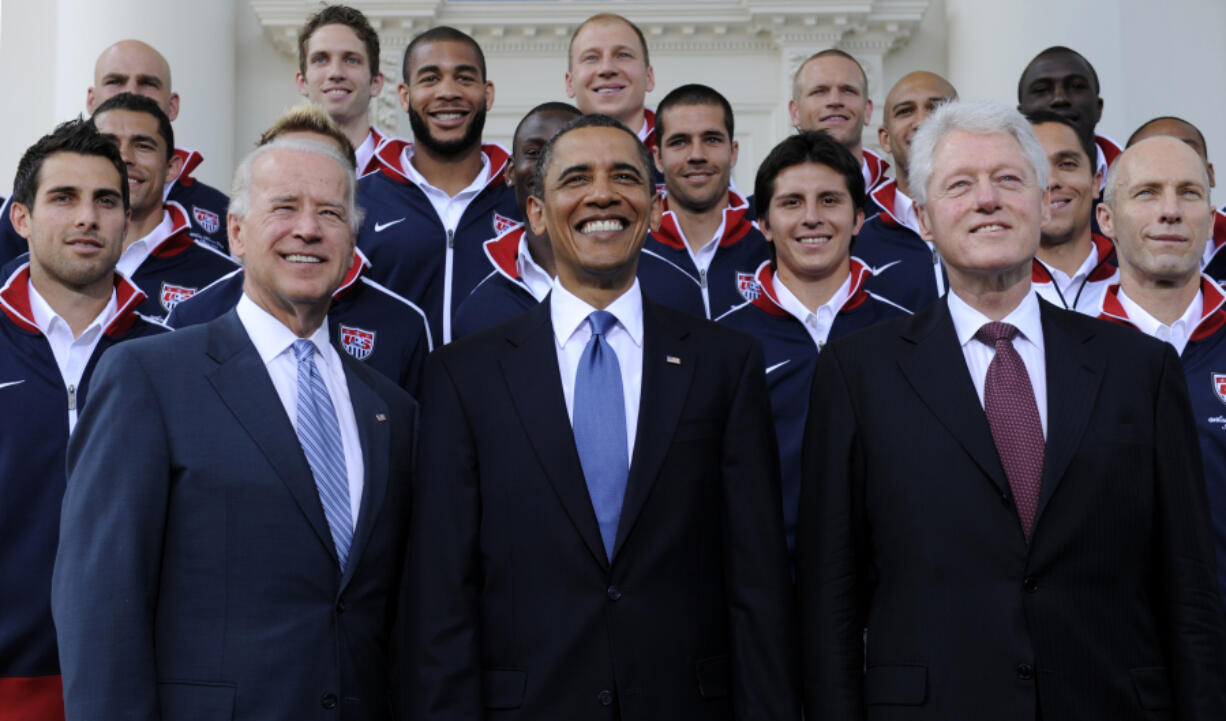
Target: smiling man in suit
{"points": [[1006, 495], [236, 511], [600, 534]]}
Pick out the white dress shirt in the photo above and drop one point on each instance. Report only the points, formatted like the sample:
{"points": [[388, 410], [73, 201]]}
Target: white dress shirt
{"points": [[1028, 343], [1068, 284], [139, 250], [534, 276], [448, 207], [275, 344], [904, 212], [1177, 333], [71, 354], [572, 331], [818, 322]]}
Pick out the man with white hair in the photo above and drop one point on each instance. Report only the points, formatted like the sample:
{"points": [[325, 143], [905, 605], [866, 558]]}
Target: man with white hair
{"points": [[1006, 496], [234, 551]]}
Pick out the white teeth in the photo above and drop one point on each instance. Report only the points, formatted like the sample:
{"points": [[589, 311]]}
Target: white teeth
{"points": [[601, 226], [338, 91], [299, 258], [448, 116], [813, 241], [607, 91], [994, 226]]}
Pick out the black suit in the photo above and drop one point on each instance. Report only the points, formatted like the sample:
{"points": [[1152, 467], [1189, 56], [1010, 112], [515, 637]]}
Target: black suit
{"points": [[908, 529], [196, 576], [515, 612]]}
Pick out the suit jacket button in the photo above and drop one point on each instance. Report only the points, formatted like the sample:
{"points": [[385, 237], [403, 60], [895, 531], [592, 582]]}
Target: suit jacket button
{"points": [[605, 697], [1030, 584], [1025, 672], [328, 701], [1006, 499], [340, 606], [614, 594]]}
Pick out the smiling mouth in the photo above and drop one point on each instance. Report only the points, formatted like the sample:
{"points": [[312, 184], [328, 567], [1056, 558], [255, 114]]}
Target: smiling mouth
{"points": [[85, 242], [835, 119], [303, 259], [990, 228], [336, 92], [610, 225], [1059, 204], [814, 240], [609, 89]]}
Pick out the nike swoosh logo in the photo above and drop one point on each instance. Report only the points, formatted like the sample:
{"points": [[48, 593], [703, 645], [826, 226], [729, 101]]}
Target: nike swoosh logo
{"points": [[878, 271], [777, 366], [10, 383], [380, 227]]}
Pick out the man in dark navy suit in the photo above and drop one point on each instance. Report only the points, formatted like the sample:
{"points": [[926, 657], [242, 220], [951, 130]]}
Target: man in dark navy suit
{"points": [[234, 550], [600, 533]]}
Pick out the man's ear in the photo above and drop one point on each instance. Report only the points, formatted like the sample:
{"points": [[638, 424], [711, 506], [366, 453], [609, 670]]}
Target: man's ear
{"points": [[868, 112], [402, 92], [921, 214], [376, 84], [234, 229], [300, 81], [172, 112], [19, 215], [535, 211], [174, 167], [1105, 221], [657, 211], [508, 173]]}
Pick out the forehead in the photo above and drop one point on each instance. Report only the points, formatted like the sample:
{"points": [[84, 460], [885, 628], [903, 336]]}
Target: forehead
{"points": [[693, 117], [543, 124], [601, 147], [1057, 66], [1162, 159], [809, 177], [288, 171], [74, 170], [918, 88], [336, 36], [133, 59], [831, 69], [603, 34], [961, 151], [1058, 138], [126, 122], [443, 53]]}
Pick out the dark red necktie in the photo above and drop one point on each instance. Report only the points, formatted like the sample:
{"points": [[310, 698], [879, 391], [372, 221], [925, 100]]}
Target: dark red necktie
{"points": [[1008, 400]]}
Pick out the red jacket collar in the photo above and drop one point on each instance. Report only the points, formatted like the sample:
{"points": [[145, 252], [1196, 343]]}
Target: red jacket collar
{"points": [[876, 166], [1110, 149], [191, 160], [885, 196], [178, 239], [648, 134], [377, 139], [1104, 270], [768, 297], [390, 158], [15, 302], [503, 251], [1212, 315], [360, 264], [736, 224]]}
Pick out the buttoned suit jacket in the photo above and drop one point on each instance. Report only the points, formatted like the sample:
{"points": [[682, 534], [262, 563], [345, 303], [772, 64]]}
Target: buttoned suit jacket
{"points": [[516, 611], [908, 528], [196, 576]]}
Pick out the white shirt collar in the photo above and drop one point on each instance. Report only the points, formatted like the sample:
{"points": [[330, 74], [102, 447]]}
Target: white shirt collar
{"points": [[139, 250], [270, 336], [568, 312], [533, 275], [1025, 317], [418, 179], [1066, 281], [904, 210], [1177, 333], [48, 320], [789, 302]]}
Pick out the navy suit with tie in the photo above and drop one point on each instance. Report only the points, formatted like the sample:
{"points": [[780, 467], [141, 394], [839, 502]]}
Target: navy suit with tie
{"points": [[196, 576]]}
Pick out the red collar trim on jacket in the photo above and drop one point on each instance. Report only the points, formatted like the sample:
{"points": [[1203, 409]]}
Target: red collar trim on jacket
{"points": [[736, 224], [1103, 270], [503, 251], [1212, 315], [1111, 149], [876, 166], [884, 196], [15, 302], [648, 134], [373, 163], [191, 160], [360, 264], [390, 158], [768, 297], [178, 239]]}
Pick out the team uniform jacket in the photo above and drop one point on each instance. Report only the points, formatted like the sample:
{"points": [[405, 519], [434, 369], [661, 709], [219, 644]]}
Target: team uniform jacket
{"points": [[1204, 367], [1108, 151], [178, 265], [905, 268], [1214, 264], [365, 158], [206, 206], [675, 281], [33, 438], [502, 294], [791, 356], [1089, 295], [366, 320], [410, 250]]}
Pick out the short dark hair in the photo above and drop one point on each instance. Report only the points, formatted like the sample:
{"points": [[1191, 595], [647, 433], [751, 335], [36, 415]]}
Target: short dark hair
{"points": [[692, 94], [1058, 50], [351, 18], [141, 104], [595, 120], [828, 52], [813, 146], [604, 18], [1199, 135], [442, 33], [1085, 139], [553, 106], [75, 136]]}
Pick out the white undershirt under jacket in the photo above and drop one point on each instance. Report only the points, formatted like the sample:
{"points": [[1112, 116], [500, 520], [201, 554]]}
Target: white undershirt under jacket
{"points": [[818, 322], [71, 354], [1177, 333]]}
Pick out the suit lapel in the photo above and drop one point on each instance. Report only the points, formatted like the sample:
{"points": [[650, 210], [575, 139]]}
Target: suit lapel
{"points": [[937, 370], [242, 381], [668, 368], [1074, 375], [530, 369], [373, 433]]}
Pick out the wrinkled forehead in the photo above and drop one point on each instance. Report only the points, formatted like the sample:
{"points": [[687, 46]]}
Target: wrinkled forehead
{"points": [[132, 58], [597, 148], [962, 151], [1162, 160]]}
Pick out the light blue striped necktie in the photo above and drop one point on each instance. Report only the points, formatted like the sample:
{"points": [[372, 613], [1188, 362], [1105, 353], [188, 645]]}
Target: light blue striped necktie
{"points": [[320, 436], [599, 422]]}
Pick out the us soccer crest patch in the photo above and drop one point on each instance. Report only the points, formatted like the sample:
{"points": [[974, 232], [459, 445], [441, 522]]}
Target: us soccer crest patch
{"points": [[206, 219], [1219, 385], [748, 286], [502, 223], [357, 342], [173, 295]]}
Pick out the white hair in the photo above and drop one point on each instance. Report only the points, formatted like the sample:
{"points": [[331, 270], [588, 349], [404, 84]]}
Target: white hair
{"points": [[240, 189], [981, 117]]}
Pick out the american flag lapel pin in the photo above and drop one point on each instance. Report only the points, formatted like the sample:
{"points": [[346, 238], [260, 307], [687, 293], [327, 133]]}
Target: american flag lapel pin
{"points": [[672, 360], [380, 417]]}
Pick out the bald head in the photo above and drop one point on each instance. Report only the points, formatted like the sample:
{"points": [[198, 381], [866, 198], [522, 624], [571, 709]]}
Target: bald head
{"points": [[1179, 129], [907, 104], [131, 66], [1158, 158]]}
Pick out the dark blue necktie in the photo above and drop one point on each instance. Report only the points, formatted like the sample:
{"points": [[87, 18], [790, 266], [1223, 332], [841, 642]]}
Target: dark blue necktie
{"points": [[320, 436], [599, 421]]}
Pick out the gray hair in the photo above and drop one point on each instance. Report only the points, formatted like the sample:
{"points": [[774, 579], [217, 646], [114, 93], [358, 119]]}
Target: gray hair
{"points": [[240, 189], [981, 117]]}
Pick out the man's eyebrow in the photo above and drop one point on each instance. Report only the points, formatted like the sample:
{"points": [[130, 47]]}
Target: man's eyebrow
{"points": [[622, 165], [62, 189], [107, 193], [577, 168]]}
